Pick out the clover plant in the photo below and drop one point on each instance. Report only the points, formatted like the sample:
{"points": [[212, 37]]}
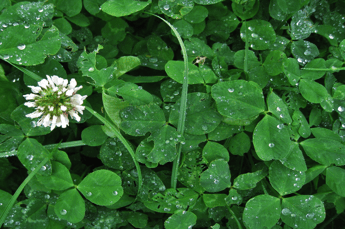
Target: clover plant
{"points": [[172, 114]]}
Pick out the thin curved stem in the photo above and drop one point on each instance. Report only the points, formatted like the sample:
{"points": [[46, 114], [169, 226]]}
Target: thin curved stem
{"points": [[122, 139], [239, 226], [64, 145], [246, 51], [24, 70], [183, 102], [51, 146], [332, 69], [19, 190]]}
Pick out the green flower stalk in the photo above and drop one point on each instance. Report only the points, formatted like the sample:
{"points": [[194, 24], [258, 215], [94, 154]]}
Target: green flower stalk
{"points": [[55, 99]]}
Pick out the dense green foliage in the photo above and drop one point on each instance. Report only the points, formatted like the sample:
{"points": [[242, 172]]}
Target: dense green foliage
{"points": [[241, 125]]}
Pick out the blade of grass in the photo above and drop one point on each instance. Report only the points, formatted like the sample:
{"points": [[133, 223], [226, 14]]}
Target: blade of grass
{"points": [[122, 139], [21, 187], [246, 51], [51, 146], [183, 105], [26, 71]]}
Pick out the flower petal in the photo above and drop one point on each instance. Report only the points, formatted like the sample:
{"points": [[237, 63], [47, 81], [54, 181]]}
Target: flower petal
{"points": [[30, 104], [69, 92], [65, 82], [43, 83], [30, 96], [53, 123], [34, 114], [72, 84], [46, 120], [35, 89], [79, 108], [64, 121], [74, 115]]}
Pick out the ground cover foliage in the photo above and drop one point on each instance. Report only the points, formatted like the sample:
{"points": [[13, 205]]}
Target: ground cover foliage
{"points": [[241, 125]]}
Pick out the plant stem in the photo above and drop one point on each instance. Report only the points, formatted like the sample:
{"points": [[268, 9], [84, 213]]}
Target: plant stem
{"points": [[24, 70], [51, 146], [19, 190], [183, 103], [246, 52], [66, 144], [233, 215], [332, 69], [122, 139]]}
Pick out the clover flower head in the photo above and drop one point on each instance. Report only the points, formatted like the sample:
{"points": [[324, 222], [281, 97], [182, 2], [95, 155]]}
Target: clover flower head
{"points": [[55, 99]]}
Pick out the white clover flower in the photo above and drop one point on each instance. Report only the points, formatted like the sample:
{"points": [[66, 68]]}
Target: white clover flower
{"points": [[54, 100]]}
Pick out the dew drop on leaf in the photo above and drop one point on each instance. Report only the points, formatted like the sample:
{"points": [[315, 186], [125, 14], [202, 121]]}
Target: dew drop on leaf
{"points": [[310, 215], [340, 109], [285, 211], [271, 145], [63, 212], [21, 47], [231, 90], [115, 193]]}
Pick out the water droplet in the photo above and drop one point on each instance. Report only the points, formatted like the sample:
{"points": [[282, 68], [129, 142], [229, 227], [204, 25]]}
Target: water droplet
{"points": [[6, 57], [63, 212], [167, 141], [153, 60], [234, 198], [286, 211], [271, 145], [307, 52], [310, 215], [89, 194], [18, 59], [280, 126], [231, 90], [91, 69], [166, 7], [115, 193], [340, 109], [43, 168], [30, 157], [254, 35], [278, 109]]}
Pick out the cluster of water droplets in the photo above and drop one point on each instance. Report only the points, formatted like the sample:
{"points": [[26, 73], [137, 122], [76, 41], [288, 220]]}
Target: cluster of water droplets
{"points": [[170, 90]]}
